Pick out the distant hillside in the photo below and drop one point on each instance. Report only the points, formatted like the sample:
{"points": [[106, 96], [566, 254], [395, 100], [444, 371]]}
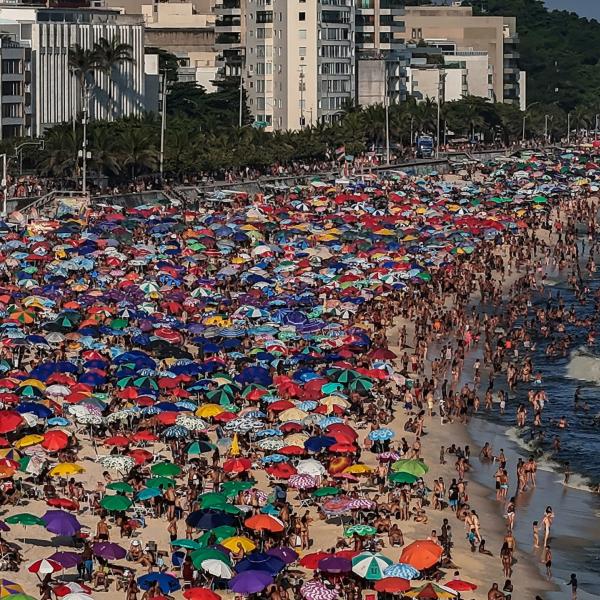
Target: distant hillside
{"points": [[559, 50]]}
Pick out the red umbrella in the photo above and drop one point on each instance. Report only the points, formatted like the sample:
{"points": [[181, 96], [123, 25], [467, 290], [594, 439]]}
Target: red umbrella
{"points": [[66, 503], [281, 405], [382, 354], [144, 436], [392, 585], [343, 430], [311, 561], [141, 456], [55, 440], [264, 523], [292, 451], [44, 566], [200, 594], [458, 585], [9, 420], [281, 471], [237, 465], [71, 588], [117, 440], [167, 417]]}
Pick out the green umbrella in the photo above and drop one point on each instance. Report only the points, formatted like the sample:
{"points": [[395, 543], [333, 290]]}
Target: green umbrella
{"points": [[120, 486], [210, 499], [223, 532], [165, 469], [220, 396], [361, 385], [145, 382], [233, 488], [24, 519], [21, 597], [539, 200], [115, 502], [200, 447], [119, 323], [344, 375], [326, 491], [185, 543], [156, 482], [401, 477], [361, 530], [370, 566], [199, 556], [329, 388], [412, 466], [253, 386]]}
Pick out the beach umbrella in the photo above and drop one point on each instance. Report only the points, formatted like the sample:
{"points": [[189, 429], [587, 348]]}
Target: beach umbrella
{"points": [[120, 486], [44, 566], [200, 594], [109, 550], [369, 565], [421, 554], [302, 482], [67, 560], [316, 590], [360, 530], [185, 543], [10, 420], [55, 440], [260, 561], [287, 555], [401, 477], [25, 519], [402, 570], [412, 466], [235, 542], [265, 523], [458, 585], [61, 522], [326, 491], [165, 469], [250, 582], [117, 462], [116, 502], [335, 564], [9, 588], [432, 591], [392, 585], [66, 470], [71, 587], [166, 583]]}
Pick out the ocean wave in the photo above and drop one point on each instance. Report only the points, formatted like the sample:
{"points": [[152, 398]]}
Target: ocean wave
{"points": [[584, 365]]}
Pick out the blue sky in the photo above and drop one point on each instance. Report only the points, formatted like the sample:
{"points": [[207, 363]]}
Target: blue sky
{"points": [[585, 8]]}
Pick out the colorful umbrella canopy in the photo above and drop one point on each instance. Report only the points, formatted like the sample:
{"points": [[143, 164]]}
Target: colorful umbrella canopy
{"points": [[369, 565], [421, 554]]}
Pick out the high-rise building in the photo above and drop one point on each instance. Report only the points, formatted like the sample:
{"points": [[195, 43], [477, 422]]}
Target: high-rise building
{"points": [[51, 90], [455, 28], [296, 57]]}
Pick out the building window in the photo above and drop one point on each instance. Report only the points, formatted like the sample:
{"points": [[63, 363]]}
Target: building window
{"points": [[11, 66], [302, 51], [302, 34], [302, 16]]}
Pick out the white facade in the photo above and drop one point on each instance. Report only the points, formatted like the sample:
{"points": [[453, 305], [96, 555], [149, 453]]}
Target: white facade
{"points": [[56, 95]]}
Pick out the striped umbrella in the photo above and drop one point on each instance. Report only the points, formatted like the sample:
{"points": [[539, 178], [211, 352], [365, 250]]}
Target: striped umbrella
{"points": [[403, 570], [315, 590], [9, 588], [302, 482], [369, 565], [44, 566]]}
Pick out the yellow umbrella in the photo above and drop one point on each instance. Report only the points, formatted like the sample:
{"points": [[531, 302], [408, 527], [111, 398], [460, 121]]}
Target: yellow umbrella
{"points": [[36, 383], [209, 410], [234, 542], [358, 469], [292, 414], [65, 469], [331, 401], [29, 440], [235, 446], [296, 439]]}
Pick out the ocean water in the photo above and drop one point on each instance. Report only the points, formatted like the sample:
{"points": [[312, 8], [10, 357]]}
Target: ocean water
{"points": [[575, 538]]}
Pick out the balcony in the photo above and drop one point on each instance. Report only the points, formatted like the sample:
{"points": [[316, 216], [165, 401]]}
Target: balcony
{"points": [[227, 24], [228, 7], [223, 40]]}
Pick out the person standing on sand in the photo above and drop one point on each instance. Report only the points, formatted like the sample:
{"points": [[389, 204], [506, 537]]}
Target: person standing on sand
{"points": [[547, 521], [548, 561]]}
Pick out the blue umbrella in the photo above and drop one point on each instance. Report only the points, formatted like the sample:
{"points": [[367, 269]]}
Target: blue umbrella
{"points": [[381, 435], [61, 522], [167, 583], [39, 410], [207, 519], [403, 570], [261, 562], [318, 443]]}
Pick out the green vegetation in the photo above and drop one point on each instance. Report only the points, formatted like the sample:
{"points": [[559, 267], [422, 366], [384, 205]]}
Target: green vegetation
{"points": [[559, 51]]}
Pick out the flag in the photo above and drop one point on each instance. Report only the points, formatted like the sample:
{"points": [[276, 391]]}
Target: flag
{"points": [[340, 152]]}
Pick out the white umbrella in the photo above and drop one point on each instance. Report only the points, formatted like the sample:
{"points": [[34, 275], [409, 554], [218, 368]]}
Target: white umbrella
{"points": [[217, 568], [310, 466]]}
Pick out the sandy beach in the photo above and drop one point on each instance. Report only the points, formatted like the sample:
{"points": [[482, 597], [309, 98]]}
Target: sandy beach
{"points": [[35, 543]]}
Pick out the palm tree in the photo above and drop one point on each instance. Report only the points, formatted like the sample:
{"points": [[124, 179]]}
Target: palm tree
{"points": [[60, 152], [112, 53], [138, 150], [104, 146]]}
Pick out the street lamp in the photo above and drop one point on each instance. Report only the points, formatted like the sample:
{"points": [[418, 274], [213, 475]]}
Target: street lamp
{"points": [[387, 119], [546, 119], [441, 92], [568, 128], [163, 123], [4, 185], [596, 128]]}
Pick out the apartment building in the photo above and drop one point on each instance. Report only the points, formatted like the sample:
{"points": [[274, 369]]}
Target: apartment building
{"points": [[15, 83], [456, 29], [296, 57], [179, 28], [51, 90]]}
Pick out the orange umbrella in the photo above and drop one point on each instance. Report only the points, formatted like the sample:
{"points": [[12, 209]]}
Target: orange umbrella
{"points": [[421, 554], [264, 523]]}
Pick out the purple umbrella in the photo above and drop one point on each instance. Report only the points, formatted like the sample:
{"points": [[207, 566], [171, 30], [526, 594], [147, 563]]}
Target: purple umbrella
{"points": [[109, 550], [287, 555], [4, 526], [67, 559], [335, 564], [61, 522], [250, 582]]}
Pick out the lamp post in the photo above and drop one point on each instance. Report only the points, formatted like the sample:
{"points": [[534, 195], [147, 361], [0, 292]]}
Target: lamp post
{"points": [[568, 128], [596, 127], [546, 119], [441, 93], [4, 185], [241, 107], [387, 121], [86, 100], [163, 123]]}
